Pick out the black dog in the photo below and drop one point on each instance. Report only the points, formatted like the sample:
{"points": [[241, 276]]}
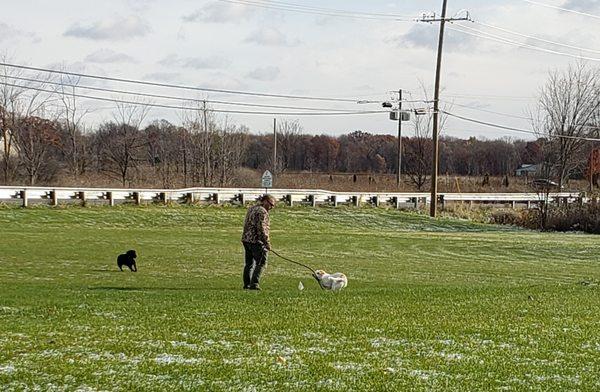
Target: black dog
{"points": [[127, 259]]}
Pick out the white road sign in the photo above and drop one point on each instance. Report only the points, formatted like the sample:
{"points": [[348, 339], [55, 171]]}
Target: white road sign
{"points": [[267, 179]]}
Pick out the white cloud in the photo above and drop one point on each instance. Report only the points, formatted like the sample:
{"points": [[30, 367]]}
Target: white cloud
{"points": [[9, 33], [105, 56], [211, 62], [169, 77], [114, 29], [426, 36], [220, 13], [270, 36], [265, 74], [219, 80], [582, 5]]}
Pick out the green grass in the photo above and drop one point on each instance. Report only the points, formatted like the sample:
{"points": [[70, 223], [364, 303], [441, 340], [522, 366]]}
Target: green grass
{"points": [[431, 304]]}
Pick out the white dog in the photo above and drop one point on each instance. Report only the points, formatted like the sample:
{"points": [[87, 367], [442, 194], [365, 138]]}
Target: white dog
{"points": [[333, 282]]}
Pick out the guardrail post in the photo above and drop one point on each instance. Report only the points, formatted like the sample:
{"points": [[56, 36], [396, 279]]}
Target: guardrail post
{"points": [[334, 200], [190, 197], [396, 201], [376, 201], [356, 201], [110, 198], [242, 198], [24, 197], [81, 195], [442, 201], [136, 198], [163, 197], [53, 198], [514, 204], [313, 200], [289, 200]]}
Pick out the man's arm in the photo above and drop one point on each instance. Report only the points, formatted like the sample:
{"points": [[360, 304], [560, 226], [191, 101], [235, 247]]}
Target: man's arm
{"points": [[264, 230]]}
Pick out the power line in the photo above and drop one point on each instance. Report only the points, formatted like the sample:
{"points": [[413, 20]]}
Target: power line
{"points": [[302, 6], [195, 109], [188, 99], [175, 86], [513, 129], [536, 38], [317, 10], [486, 110], [561, 8], [491, 97], [170, 97], [484, 35]]}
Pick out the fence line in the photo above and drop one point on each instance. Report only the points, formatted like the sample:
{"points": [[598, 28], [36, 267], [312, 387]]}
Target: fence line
{"points": [[311, 197]]}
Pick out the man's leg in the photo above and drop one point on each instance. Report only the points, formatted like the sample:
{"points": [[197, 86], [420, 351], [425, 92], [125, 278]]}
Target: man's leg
{"points": [[248, 264], [259, 253]]}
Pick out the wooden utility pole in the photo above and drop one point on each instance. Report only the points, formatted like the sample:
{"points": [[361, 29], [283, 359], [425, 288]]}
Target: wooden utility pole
{"points": [[399, 137], [206, 149], [274, 168], [436, 102]]}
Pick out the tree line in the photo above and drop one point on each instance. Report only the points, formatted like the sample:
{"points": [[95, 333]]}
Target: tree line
{"points": [[44, 139]]}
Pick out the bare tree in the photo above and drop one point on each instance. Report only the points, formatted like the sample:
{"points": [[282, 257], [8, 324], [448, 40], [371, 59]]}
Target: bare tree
{"points": [[121, 141], [567, 112], [419, 150], [200, 122], [71, 116], [34, 138], [230, 149], [163, 150], [19, 97], [288, 140]]}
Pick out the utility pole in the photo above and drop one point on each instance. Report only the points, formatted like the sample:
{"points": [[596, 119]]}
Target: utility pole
{"points": [[206, 146], [399, 137], [436, 101], [274, 167]]}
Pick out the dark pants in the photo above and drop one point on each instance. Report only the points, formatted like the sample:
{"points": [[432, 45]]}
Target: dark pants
{"points": [[256, 261]]}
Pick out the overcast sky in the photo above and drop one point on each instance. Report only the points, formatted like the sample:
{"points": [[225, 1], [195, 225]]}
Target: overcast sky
{"points": [[230, 46]]}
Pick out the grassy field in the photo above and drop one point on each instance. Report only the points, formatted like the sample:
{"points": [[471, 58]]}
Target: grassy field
{"points": [[431, 304]]}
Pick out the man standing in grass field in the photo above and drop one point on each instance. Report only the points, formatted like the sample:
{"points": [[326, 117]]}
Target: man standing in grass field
{"points": [[257, 242]]}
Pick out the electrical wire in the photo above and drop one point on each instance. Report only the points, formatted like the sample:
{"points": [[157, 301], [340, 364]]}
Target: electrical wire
{"points": [[561, 9], [170, 97], [484, 35], [535, 38], [490, 97], [513, 129], [485, 110], [195, 109], [339, 13], [175, 86], [196, 100], [303, 6]]}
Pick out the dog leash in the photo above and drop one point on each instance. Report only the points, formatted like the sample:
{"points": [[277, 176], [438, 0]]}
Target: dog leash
{"points": [[314, 273]]}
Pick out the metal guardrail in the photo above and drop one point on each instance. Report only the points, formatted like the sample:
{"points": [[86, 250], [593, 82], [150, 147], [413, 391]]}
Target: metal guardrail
{"points": [[312, 197]]}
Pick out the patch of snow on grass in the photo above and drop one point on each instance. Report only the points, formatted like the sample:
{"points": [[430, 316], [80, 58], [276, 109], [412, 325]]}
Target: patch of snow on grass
{"points": [[7, 369], [169, 359]]}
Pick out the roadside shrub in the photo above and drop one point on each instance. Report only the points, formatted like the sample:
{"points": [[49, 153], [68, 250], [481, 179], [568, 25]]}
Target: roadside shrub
{"points": [[581, 218], [506, 217], [584, 218]]}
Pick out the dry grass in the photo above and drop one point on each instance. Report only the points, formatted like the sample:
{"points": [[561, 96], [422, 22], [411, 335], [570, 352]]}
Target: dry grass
{"points": [[146, 177]]}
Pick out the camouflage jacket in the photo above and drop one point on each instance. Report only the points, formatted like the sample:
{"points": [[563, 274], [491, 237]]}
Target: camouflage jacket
{"points": [[256, 226]]}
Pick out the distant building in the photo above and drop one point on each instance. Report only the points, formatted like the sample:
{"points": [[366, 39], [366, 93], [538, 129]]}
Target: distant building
{"points": [[526, 170]]}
